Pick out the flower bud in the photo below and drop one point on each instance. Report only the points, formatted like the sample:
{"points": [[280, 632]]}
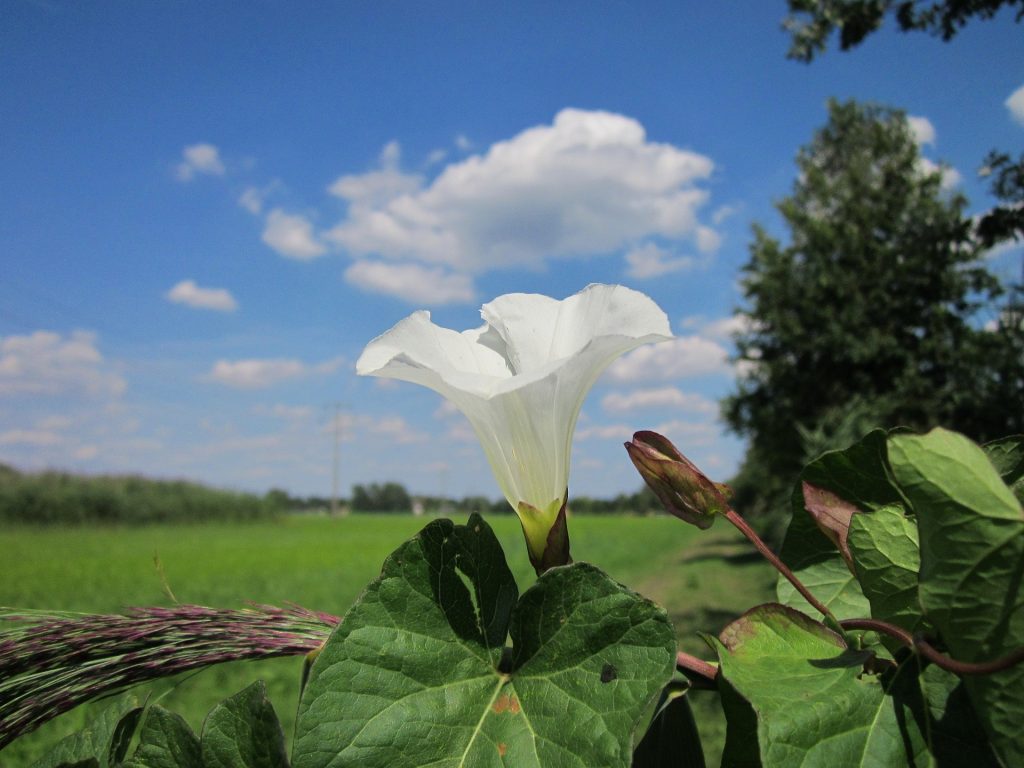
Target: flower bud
{"points": [[679, 485]]}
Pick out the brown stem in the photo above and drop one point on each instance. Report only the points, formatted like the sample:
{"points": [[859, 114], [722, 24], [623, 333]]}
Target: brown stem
{"points": [[733, 517], [702, 674], [936, 657]]}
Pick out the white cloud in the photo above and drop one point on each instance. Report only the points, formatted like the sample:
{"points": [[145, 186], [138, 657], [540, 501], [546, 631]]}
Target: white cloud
{"points": [[397, 430], [1015, 103], [722, 213], [590, 183], [256, 374], [292, 235], [252, 200], [659, 397], [260, 373], [188, 293], [34, 437], [650, 260], [47, 363], [685, 434], [922, 129], [411, 282], [708, 241], [288, 413], [621, 432], [950, 176], [721, 329], [199, 158], [437, 156], [463, 143], [683, 356]]}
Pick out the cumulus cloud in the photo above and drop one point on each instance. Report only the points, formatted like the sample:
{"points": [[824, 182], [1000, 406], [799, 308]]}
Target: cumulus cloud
{"points": [[188, 293], [722, 328], [367, 191], [658, 397], [292, 235], [650, 260], [47, 363], [922, 129], [199, 159], [1015, 103], [260, 373], [589, 183], [412, 282], [676, 359]]}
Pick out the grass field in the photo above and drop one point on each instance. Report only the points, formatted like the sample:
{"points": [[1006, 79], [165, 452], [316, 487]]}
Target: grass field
{"points": [[702, 578]]}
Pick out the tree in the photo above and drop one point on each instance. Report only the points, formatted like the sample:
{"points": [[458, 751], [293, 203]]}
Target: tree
{"points": [[868, 317], [812, 22], [376, 497]]}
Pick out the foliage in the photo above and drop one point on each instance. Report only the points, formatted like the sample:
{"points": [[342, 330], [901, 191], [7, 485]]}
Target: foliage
{"points": [[812, 22], [381, 497], [868, 315], [442, 661], [58, 498], [99, 570]]}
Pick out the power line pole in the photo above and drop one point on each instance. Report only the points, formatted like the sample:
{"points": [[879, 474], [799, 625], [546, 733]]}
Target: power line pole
{"points": [[335, 460]]}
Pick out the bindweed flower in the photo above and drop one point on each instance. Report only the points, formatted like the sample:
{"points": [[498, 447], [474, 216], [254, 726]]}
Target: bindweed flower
{"points": [[679, 485], [521, 379]]}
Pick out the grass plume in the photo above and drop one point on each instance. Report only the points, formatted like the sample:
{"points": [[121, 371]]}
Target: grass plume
{"points": [[52, 662]]}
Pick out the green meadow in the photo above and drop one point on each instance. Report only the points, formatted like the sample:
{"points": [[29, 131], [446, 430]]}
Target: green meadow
{"points": [[702, 578]]}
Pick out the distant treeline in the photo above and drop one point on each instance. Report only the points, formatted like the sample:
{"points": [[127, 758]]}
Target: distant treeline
{"points": [[49, 498], [393, 497], [52, 498]]}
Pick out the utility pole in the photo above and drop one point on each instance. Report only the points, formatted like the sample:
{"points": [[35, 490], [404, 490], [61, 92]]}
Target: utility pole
{"points": [[335, 461]]}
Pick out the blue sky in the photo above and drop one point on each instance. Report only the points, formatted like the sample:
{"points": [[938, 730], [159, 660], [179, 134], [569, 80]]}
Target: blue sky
{"points": [[208, 209]]}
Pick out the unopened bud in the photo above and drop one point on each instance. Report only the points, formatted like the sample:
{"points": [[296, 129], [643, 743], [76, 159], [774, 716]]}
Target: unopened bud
{"points": [[682, 488]]}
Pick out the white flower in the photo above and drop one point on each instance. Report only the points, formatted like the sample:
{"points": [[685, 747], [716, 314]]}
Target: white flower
{"points": [[521, 379]]}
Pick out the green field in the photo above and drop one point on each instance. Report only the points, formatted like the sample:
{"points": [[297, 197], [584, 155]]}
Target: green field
{"points": [[701, 578]]}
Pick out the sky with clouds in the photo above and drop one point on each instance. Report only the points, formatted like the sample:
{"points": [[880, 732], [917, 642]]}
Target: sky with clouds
{"points": [[207, 211]]}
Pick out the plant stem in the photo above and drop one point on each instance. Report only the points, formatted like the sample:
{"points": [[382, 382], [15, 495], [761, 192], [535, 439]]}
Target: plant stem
{"points": [[936, 657], [702, 674], [733, 517]]}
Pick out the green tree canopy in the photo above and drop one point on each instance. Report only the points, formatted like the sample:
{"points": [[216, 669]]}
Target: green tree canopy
{"points": [[812, 22], [869, 315]]}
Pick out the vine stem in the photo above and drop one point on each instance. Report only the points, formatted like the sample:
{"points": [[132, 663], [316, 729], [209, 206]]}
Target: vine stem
{"points": [[936, 657], [699, 672], [733, 517]]}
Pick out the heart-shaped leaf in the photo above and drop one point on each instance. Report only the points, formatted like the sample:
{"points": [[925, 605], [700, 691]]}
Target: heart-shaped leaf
{"points": [[972, 564], [418, 672], [814, 704]]}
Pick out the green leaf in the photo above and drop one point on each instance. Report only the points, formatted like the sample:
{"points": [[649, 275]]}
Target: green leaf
{"points": [[956, 735], [101, 744], [672, 738], [857, 475], [740, 728], [415, 675], [166, 741], [814, 704], [832, 583], [244, 731], [1007, 455], [972, 564], [886, 555]]}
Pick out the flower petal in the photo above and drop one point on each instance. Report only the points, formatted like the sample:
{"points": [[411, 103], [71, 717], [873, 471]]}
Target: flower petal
{"points": [[521, 378]]}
